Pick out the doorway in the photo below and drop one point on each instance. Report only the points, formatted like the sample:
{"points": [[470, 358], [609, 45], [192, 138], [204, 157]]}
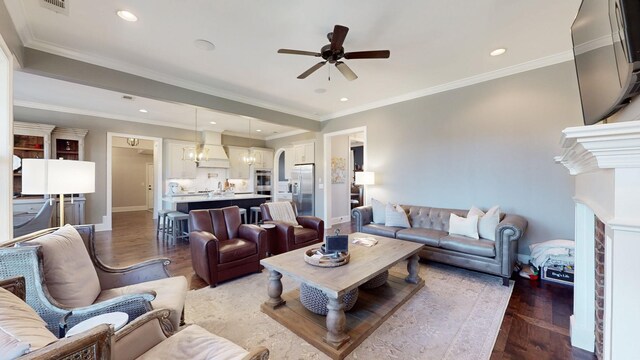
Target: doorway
{"points": [[132, 193], [338, 172], [6, 138]]}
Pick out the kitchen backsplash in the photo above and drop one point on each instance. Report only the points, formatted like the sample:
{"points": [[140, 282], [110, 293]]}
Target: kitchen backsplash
{"points": [[208, 179]]}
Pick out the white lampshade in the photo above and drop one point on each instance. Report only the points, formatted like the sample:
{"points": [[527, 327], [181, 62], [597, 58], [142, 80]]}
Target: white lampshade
{"points": [[48, 176], [365, 178]]}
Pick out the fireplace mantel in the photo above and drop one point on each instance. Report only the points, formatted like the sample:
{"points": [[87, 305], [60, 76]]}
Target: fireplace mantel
{"points": [[605, 160], [605, 146]]}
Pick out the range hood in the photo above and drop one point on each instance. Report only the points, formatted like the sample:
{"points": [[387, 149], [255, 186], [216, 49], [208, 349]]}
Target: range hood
{"points": [[217, 156]]}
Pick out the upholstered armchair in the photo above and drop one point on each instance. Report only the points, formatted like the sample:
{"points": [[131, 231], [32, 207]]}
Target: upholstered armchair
{"points": [[290, 236], [24, 335], [222, 247], [42, 220], [63, 274]]}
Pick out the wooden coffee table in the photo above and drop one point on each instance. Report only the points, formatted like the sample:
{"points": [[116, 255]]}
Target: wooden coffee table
{"points": [[340, 333]]}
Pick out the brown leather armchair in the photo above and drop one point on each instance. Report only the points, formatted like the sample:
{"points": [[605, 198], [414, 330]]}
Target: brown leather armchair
{"points": [[291, 237], [222, 247]]}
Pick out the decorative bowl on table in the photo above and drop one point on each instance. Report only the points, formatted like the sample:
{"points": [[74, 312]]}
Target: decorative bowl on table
{"points": [[317, 257]]}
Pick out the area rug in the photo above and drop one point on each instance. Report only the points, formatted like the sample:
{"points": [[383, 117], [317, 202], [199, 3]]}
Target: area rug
{"points": [[456, 315]]}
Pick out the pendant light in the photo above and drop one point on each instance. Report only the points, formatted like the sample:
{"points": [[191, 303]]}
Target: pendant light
{"points": [[249, 159], [197, 152]]}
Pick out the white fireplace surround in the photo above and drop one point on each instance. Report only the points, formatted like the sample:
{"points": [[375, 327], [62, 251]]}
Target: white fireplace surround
{"points": [[605, 160]]}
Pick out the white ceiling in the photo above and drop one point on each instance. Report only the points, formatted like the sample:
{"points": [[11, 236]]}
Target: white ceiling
{"points": [[50, 94], [434, 45]]}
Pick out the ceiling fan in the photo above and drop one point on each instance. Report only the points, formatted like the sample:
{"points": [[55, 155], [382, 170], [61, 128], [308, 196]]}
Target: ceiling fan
{"points": [[334, 52]]}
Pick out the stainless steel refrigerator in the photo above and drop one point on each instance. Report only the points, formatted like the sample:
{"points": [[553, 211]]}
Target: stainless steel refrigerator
{"points": [[303, 188]]}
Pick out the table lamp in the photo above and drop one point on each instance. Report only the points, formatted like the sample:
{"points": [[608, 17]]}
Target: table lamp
{"points": [[51, 177]]}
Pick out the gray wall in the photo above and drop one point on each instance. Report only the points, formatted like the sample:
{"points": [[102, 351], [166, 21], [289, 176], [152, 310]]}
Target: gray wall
{"points": [[486, 144], [129, 176]]}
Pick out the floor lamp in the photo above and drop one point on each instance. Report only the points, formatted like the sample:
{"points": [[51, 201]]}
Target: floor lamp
{"points": [[58, 177], [365, 178]]}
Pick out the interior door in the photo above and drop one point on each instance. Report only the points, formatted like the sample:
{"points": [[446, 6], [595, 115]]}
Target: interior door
{"points": [[150, 187]]}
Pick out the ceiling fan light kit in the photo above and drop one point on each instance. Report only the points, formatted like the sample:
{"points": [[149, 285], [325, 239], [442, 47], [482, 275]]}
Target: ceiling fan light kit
{"points": [[333, 53]]}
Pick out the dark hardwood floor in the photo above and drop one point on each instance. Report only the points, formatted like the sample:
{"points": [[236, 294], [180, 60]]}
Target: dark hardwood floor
{"points": [[535, 325]]}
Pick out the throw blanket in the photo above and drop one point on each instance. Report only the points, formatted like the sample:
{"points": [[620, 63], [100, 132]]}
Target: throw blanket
{"points": [[559, 250], [282, 211]]}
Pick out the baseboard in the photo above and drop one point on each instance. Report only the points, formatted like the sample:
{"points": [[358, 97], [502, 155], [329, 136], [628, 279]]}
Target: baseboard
{"points": [[105, 225], [129, 208], [340, 220]]}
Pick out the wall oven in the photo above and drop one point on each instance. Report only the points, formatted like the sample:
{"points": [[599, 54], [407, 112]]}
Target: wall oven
{"points": [[263, 182]]}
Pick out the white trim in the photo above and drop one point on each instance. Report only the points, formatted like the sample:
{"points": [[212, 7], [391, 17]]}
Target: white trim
{"points": [[6, 139], [69, 110], [286, 134], [472, 80], [602, 146], [157, 164], [164, 78], [29, 40], [340, 220], [327, 166], [583, 318], [129, 208]]}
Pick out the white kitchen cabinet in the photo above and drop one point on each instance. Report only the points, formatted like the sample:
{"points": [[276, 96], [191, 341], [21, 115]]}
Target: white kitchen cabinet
{"points": [[304, 153], [264, 158], [175, 167], [289, 161], [238, 168]]}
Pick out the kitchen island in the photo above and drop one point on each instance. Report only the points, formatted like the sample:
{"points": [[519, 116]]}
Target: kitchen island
{"points": [[194, 202]]}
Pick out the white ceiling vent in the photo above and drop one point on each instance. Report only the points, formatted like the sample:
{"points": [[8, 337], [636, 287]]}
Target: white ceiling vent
{"points": [[59, 6]]}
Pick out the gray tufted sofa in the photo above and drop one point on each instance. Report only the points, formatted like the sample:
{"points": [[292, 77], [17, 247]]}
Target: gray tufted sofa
{"points": [[430, 227]]}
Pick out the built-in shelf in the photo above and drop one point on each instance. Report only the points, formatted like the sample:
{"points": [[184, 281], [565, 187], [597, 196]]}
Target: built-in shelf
{"points": [[28, 149]]}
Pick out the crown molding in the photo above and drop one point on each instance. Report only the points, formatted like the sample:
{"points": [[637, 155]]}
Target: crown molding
{"points": [[47, 47], [476, 79], [286, 134], [29, 40], [69, 110], [602, 146]]}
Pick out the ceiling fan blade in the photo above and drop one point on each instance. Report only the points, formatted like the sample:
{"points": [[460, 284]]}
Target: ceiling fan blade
{"points": [[298, 52], [346, 71], [372, 54], [339, 34], [311, 70]]}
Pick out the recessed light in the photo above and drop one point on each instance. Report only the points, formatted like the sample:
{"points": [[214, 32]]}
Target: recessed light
{"points": [[203, 44], [344, 99], [143, 111], [498, 52], [258, 130], [127, 15], [320, 91], [212, 122]]}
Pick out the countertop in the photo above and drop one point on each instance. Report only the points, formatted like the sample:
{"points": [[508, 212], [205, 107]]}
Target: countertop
{"points": [[203, 198]]}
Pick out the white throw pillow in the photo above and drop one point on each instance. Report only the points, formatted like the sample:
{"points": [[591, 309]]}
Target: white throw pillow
{"points": [[378, 211], [487, 222], [68, 270], [395, 216], [464, 226]]}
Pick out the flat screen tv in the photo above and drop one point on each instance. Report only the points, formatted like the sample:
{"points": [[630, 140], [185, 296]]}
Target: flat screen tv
{"points": [[606, 47]]}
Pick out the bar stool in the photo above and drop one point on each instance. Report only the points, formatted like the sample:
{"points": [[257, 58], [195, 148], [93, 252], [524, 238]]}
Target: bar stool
{"points": [[177, 221], [162, 218], [254, 214], [243, 215]]}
